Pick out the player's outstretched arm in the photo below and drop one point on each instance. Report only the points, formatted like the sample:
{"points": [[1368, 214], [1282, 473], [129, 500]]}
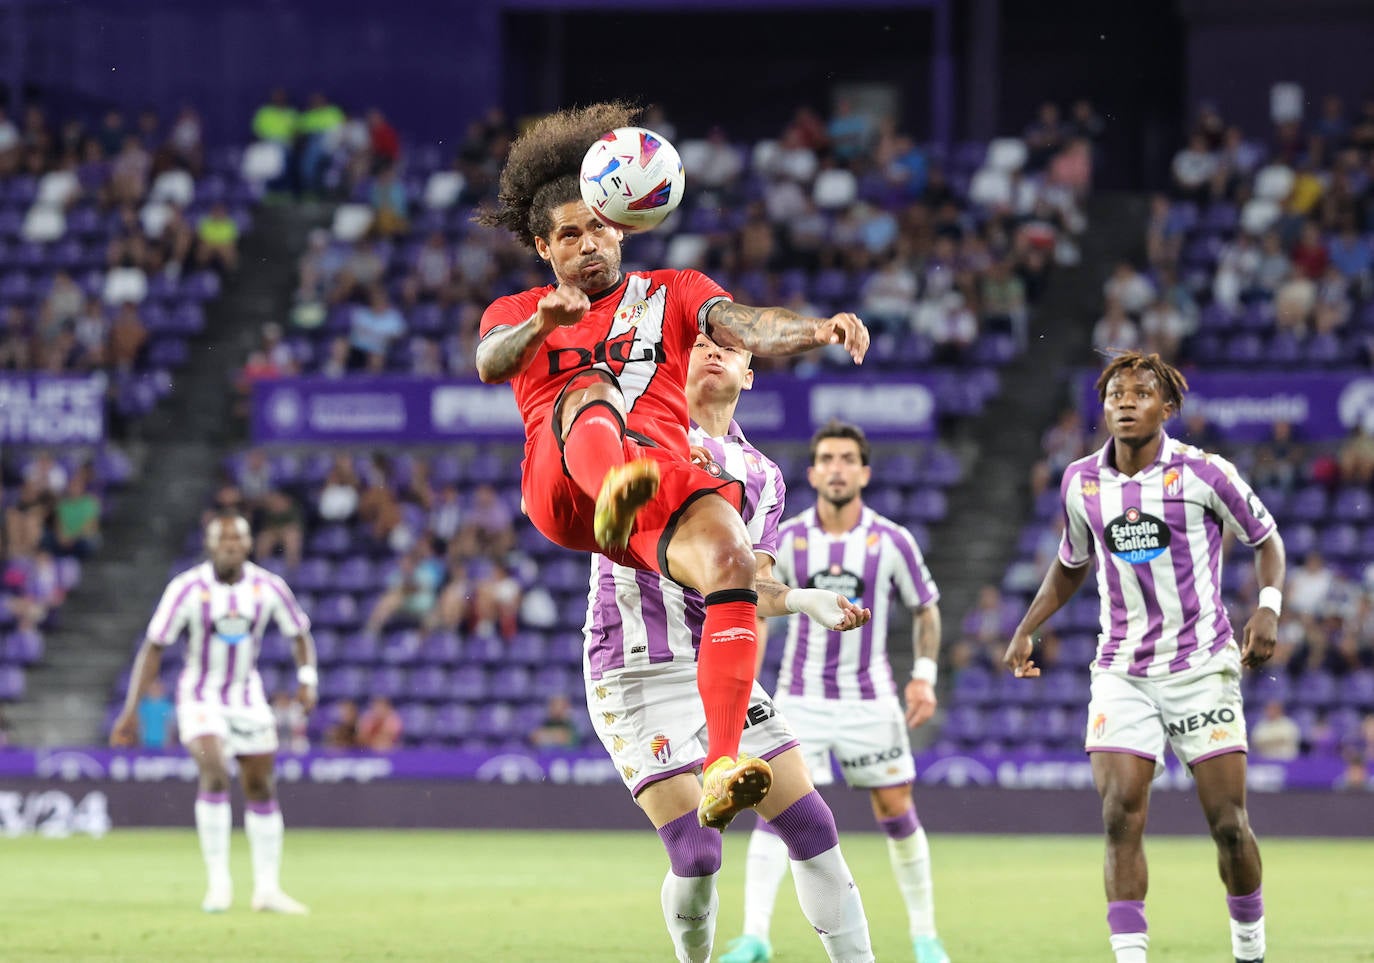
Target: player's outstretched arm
{"points": [[778, 331], [505, 352], [124, 732], [1057, 588], [1262, 631], [829, 608]]}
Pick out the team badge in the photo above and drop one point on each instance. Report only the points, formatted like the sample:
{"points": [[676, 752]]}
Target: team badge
{"points": [[632, 313], [661, 747], [1099, 725], [1173, 482]]}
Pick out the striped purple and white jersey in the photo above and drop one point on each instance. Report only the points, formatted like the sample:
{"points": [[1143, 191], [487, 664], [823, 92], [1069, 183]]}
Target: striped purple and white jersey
{"points": [[637, 618], [224, 626], [1157, 536], [864, 564]]}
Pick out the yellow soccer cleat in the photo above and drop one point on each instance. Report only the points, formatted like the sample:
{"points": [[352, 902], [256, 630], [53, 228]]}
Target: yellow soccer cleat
{"points": [[625, 490], [729, 786]]}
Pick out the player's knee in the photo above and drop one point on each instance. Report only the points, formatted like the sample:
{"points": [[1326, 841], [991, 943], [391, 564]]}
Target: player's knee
{"points": [[257, 788], [1123, 820], [213, 778], [733, 565], [1230, 827]]}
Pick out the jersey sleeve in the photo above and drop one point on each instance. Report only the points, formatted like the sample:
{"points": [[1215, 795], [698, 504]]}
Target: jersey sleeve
{"points": [[764, 525], [169, 618], [694, 295], [286, 611], [509, 311], [1235, 502], [911, 575], [1075, 549]]}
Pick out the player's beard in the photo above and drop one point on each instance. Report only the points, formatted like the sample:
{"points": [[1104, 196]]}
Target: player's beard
{"points": [[838, 502], [608, 275]]}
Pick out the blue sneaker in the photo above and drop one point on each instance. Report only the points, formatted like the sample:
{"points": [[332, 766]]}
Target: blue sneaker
{"points": [[929, 949], [748, 949]]}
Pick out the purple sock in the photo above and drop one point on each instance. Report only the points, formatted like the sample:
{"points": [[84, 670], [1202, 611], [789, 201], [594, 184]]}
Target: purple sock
{"points": [[212, 797], [1247, 909], [762, 825], [1127, 916], [266, 808], [693, 850], [807, 827], [900, 827]]}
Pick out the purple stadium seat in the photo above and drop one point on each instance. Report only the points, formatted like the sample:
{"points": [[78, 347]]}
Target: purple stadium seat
{"points": [[484, 650], [356, 574], [388, 681], [417, 722], [972, 686], [1284, 349], [941, 468], [401, 647], [23, 647], [347, 682], [314, 575], [441, 648], [337, 611], [1269, 685], [360, 648], [276, 649], [1339, 541], [1357, 690], [527, 648], [1324, 349], [964, 724], [1353, 505], [1308, 505], [494, 721], [1012, 691], [451, 722], [927, 505], [428, 683], [1315, 688], [554, 680], [510, 683], [11, 683], [565, 648], [468, 683], [1063, 687], [331, 540]]}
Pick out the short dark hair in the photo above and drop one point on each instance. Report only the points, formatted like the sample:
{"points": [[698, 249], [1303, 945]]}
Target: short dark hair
{"points": [[1171, 381], [542, 167], [835, 428]]}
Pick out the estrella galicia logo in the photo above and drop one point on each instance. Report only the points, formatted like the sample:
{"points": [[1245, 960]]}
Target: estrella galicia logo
{"points": [[837, 579], [232, 628], [1136, 537]]}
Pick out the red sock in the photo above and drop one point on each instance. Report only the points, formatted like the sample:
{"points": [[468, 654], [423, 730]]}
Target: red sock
{"points": [[725, 667], [595, 444]]}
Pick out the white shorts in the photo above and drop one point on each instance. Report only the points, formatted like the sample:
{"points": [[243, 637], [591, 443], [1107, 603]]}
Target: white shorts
{"points": [[652, 723], [868, 738], [1199, 714], [250, 731]]}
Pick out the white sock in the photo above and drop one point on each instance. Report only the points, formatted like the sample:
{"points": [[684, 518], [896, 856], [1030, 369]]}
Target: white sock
{"points": [[1247, 939], [1130, 947], [830, 901], [765, 866], [213, 821], [689, 909], [264, 831], [910, 858]]}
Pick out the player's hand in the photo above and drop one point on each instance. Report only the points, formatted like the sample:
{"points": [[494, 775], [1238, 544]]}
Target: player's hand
{"points": [[307, 696], [124, 732], [1260, 637], [700, 456], [1018, 657], [845, 329], [563, 306], [830, 609], [920, 702], [854, 616]]}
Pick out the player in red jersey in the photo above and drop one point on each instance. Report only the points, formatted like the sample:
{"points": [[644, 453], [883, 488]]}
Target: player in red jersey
{"points": [[598, 363]]}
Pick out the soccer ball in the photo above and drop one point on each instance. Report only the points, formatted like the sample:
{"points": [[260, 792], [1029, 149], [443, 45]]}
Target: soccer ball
{"points": [[632, 179]]}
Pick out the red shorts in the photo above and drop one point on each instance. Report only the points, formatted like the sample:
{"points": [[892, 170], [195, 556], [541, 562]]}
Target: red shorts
{"points": [[563, 513]]}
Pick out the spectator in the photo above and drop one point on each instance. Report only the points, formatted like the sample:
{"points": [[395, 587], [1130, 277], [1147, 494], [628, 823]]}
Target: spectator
{"points": [[129, 172], [557, 731], [1003, 299], [156, 715], [1065, 441], [358, 274], [255, 480], [16, 341], [76, 519], [36, 587], [1115, 331], [446, 514], [125, 282], [391, 209], [985, 622], [339, 496], [378, 507], [373, 329], [1356, 457], [48, 471], [184, 139], [65, 301], [292, 723], [1163, 233], [1310, 256], [379, 729], [432, 277], [496, 605], [128, 335], [888, 296], [280, 527], [1131, 289], [1164, 327], [454, 605], [1310, 586], [276, 120], [489, 523], [217, 239], [1276, 736], [1193, 169], [343, 734], [1274, 266], [411, 590], [319, 127], [383, 141]]}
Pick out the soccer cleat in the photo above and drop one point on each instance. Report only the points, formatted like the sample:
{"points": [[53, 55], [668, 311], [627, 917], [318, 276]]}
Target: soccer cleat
{"points": [[624, 491], [929, 949], [728, 787], [278, 902], [218, 898], [748, 949]]}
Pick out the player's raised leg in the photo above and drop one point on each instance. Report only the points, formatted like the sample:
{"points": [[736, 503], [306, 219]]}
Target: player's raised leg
{"points": [[908, 851], [711, 551], [688, 895], [214, 820], [262, 824], [1221, 790], [1123, 782]]}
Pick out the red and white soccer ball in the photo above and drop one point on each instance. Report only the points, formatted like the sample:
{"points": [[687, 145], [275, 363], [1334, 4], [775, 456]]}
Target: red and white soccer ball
{"points": [[632, 179]]}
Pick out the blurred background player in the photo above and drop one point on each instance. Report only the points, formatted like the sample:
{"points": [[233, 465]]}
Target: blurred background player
{"points": [[1153, 511], [225, 605], [598, 364], [838, 690], [643, 632]]}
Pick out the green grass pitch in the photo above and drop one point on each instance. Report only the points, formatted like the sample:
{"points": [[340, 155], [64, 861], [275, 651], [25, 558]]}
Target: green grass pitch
{"points": [[568, 897]]}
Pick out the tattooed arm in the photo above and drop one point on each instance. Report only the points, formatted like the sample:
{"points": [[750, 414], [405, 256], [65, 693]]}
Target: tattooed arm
{"points": [[778, 331], [505, 352]]}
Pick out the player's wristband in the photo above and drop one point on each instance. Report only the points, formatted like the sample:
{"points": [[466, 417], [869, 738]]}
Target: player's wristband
{"points": [[308, 675], [1272, 599], [926, 669]]}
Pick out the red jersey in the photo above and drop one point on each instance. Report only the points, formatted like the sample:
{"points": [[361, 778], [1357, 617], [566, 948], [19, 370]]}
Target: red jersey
{"points": [[641, 331]]}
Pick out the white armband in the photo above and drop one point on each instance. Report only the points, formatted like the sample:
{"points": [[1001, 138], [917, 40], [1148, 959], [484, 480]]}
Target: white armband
{"points": [[308, 675], [1272, 599], [926, 669]]}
